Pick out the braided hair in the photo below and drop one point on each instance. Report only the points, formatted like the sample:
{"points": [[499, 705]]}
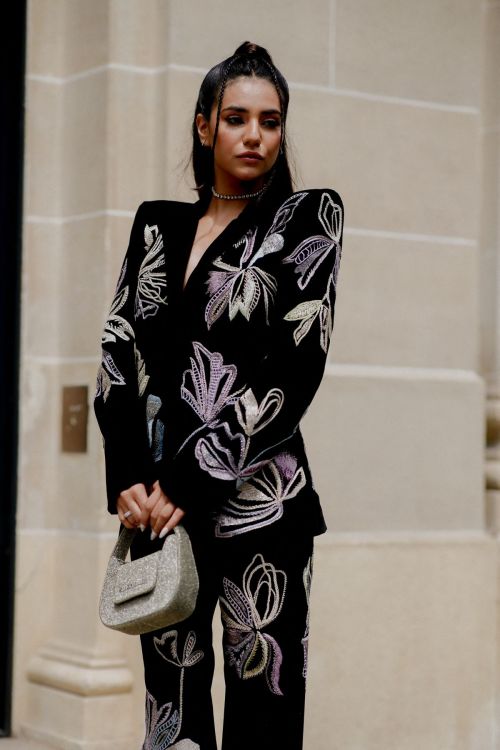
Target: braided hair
{"points": [[248, 60]]}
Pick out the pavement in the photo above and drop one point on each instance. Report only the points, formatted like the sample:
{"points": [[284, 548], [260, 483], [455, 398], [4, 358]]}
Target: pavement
{"points": [[16, 743]]}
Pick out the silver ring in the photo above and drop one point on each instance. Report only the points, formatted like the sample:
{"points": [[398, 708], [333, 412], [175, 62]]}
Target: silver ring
{"points": [[127, 514]]}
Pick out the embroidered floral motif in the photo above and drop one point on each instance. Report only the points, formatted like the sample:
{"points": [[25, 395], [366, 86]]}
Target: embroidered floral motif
{"points": [[261, 497], [140, 366], [285, 212], [230, 463], [307, 257], [108, 375], [307, 312], [151, 281], [225, 462], [241, 287], [116, 325], [325, 320], [312, 251], [211, 380], [162, 725], [189, 656], [238, 288], [246, 613], [210, 387], [307, 579], [250, 413], [272, 244], [331, 215]]}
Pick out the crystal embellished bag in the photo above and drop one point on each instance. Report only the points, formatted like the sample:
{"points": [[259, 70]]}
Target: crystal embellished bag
{"points": [[153, 591]]}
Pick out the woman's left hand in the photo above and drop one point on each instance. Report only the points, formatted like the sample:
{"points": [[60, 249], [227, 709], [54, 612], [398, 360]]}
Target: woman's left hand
{"points": [[164, 515]]}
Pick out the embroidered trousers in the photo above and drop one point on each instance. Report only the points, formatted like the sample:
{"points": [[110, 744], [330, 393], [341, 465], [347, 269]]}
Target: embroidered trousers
{"points": [[261, 580]]}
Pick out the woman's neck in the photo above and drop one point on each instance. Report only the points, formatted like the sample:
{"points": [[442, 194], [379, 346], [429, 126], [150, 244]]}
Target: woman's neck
{"points": [[222, 211]]}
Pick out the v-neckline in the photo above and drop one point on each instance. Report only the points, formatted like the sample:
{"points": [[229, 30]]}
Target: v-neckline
{"points": [[191, 236]]}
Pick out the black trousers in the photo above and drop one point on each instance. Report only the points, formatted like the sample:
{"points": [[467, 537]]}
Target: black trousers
{"points": [[261, 580]]}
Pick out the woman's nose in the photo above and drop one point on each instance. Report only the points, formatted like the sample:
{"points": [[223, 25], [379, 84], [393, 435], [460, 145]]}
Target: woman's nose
{"points": [[252, 133]]}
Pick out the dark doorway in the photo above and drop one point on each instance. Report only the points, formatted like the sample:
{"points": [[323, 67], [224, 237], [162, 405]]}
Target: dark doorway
{"points": [[12, 90]]}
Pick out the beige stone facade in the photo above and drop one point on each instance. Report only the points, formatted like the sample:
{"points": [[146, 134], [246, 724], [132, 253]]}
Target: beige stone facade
{"points": [[397, 106]]}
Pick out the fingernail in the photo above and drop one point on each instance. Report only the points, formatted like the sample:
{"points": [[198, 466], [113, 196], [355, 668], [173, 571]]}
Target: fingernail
{"points": [[153, 535], [163, 532], [142, 527]]}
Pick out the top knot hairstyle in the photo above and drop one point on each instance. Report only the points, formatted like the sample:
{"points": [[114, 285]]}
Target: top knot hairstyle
{"points": [[248, 60]]}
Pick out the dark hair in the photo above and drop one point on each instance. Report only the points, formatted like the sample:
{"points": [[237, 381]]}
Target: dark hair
{"points": [[248, 59]]}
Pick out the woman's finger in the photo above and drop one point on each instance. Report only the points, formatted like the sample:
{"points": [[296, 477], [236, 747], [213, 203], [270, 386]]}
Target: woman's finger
{"points": [[126, 523], [138, 495], [176, 516], [160, 515], [172, 522], [126, 504], [153, 498]]}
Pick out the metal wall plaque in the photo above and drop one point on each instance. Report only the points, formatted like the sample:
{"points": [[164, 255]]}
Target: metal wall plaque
{"points": [[74, 418]]}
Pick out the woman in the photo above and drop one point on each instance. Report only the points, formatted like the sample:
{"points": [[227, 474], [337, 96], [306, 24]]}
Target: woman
{"points": [[215, 345]]}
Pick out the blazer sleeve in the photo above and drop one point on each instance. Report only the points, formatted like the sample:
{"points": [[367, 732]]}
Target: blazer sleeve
{"points": [[252, 428], [118, 405]]}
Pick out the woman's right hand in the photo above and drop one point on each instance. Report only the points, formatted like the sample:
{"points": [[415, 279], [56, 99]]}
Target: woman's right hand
{"points": [[134, 500], [164, 515]]}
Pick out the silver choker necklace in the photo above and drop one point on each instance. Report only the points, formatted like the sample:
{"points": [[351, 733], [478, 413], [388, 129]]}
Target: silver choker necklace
{"points": [[243, 196]]}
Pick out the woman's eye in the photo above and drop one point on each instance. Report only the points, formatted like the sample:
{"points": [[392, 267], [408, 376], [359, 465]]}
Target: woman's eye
{"points": [[234, 120], [272, 123]]}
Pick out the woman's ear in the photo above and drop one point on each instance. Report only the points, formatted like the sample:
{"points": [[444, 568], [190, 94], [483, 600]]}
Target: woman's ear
{"points": [[203, 129]]}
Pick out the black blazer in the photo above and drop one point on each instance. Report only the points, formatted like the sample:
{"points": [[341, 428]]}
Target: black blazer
{"points": [[204, 388]]}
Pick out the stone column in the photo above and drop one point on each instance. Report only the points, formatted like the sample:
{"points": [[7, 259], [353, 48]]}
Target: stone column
{"points": [[94, 151], [490, 255], [490, 286]]}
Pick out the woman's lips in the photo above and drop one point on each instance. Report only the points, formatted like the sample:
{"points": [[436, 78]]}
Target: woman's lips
{"points": [[250, 157]]}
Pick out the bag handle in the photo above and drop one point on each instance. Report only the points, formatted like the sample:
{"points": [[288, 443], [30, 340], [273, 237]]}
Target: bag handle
{"points": [[126, 537]]}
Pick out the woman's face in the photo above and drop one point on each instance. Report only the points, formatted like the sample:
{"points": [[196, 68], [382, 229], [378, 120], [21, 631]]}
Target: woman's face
{"points": [[250, 121]]}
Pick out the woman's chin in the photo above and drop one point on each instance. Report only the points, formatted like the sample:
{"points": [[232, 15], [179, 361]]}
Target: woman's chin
{"points": [[244, 180], [249, 174], [253, 181]]}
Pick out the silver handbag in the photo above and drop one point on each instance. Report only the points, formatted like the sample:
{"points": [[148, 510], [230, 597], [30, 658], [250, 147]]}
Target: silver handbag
{"points": [[153, 591]]}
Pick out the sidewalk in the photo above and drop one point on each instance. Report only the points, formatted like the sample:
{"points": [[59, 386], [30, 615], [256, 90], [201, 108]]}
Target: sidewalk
{"points": [[15, 743]]}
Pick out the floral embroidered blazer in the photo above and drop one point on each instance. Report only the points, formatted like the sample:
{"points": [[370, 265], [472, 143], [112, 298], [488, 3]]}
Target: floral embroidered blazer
{"points": [[204, 388]]}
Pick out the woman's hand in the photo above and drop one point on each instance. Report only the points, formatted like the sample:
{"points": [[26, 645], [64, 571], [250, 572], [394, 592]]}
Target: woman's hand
{"points": [[133, 501], [163, 514]]}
